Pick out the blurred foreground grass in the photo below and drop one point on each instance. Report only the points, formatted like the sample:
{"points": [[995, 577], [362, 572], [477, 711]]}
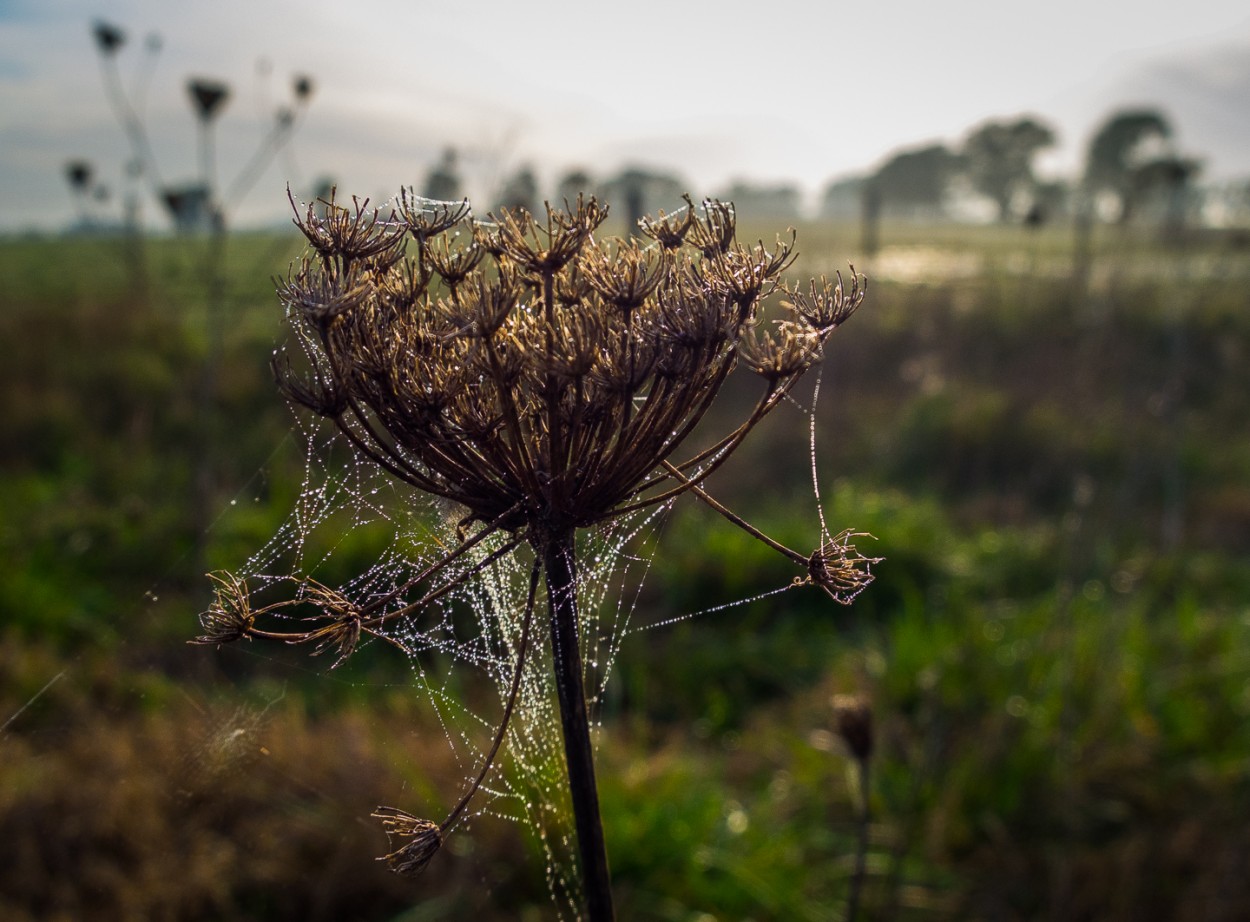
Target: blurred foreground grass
{"points": [[1056, 466]]}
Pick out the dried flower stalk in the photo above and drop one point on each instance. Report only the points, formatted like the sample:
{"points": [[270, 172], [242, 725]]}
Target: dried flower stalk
{"points": [[544, 384]]}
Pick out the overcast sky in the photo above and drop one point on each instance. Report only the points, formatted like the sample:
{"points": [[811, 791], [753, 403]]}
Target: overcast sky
{"points": [[773, 91]]}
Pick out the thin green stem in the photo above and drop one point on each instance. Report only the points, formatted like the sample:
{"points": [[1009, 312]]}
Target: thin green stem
{"points": [[861, 848]]}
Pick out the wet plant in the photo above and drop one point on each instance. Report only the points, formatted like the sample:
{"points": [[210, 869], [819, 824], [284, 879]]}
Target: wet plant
{"points": [[544, 382]]}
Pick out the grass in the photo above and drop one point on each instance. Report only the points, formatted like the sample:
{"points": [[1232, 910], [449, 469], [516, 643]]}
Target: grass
{"points": [[1055, 647]]}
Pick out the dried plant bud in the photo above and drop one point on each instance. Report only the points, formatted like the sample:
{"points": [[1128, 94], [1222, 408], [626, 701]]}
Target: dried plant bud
{"points": [[547, 249], [410, 859], [349, 233], [625, 363], [426, 218], [316, 393], [749, 275], [322, 296], [484, 305], [666, 230], [571, 286], [229, 617], [454, 265], [780, 353], [627, 277], [852, 719], [713, 234], [402, 290], [839, 569], [343, 633], [826, 305], [691, 316], [578, 341]]}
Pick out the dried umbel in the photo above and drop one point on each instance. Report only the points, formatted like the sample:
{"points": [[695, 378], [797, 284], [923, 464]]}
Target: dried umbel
{"points": [[544, 380]]}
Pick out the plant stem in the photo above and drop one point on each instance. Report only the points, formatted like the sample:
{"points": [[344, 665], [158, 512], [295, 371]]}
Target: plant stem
{"points": [[861, 850], [566, 654]]}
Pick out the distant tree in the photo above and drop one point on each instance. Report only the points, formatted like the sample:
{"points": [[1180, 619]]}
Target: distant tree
{"points": [[520, 190], [1118, 151], [779, 202], [915, 182], [842, 198], [443, 181], [572, 184], [1168, 180], [998, 160], [639, 191]]}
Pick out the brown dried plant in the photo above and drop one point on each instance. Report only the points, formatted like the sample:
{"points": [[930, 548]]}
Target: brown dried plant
{"points": [[544, 384]]}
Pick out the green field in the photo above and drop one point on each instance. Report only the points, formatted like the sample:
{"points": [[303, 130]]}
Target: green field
{"points": [[1053, 459]]}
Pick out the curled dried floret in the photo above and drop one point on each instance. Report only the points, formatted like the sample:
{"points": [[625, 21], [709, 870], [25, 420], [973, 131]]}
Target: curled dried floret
{"points": [[713, 233], [426, 218], [839, 569], [454, 264], [426, 838], [667, 230], [543, 249], [627, 277], [229, 617], [780, 353], [316, 392], [750, 274], [320, 296], [343, 632], [826, 304], [349, 233]]}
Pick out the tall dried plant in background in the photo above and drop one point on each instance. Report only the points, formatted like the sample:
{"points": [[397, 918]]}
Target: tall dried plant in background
{"points": [[543, 380]]}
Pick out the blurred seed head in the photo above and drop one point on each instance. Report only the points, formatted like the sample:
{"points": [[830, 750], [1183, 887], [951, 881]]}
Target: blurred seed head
{"points": [[79, 173], [108, 37], [852, 719], [208, 97]]}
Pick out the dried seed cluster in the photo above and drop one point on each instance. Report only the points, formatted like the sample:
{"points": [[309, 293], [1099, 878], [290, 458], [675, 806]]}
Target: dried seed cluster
{"points": [[530, 371]]}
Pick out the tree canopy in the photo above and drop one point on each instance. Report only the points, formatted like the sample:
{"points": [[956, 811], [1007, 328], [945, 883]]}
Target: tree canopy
{"points": [[998, 159]]}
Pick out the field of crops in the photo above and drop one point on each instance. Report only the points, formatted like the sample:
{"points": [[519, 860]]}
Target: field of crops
{"points": [[1053, 457]]}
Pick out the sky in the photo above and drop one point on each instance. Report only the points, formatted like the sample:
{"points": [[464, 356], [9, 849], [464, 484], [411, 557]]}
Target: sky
{"points": [[770, 92]]}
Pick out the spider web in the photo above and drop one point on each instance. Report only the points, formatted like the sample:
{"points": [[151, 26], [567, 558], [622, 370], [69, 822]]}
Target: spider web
{"points": [[475, 628]]}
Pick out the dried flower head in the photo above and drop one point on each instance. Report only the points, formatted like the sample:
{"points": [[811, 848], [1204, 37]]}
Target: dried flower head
{"points": [[667, 230], [342, 235], [838, 567], [546, 382], [825, 305], [426, 838], [229, 617]]}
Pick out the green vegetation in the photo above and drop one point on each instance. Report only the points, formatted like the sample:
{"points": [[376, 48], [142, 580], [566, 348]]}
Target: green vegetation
{"points": [[1057, 648]]}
